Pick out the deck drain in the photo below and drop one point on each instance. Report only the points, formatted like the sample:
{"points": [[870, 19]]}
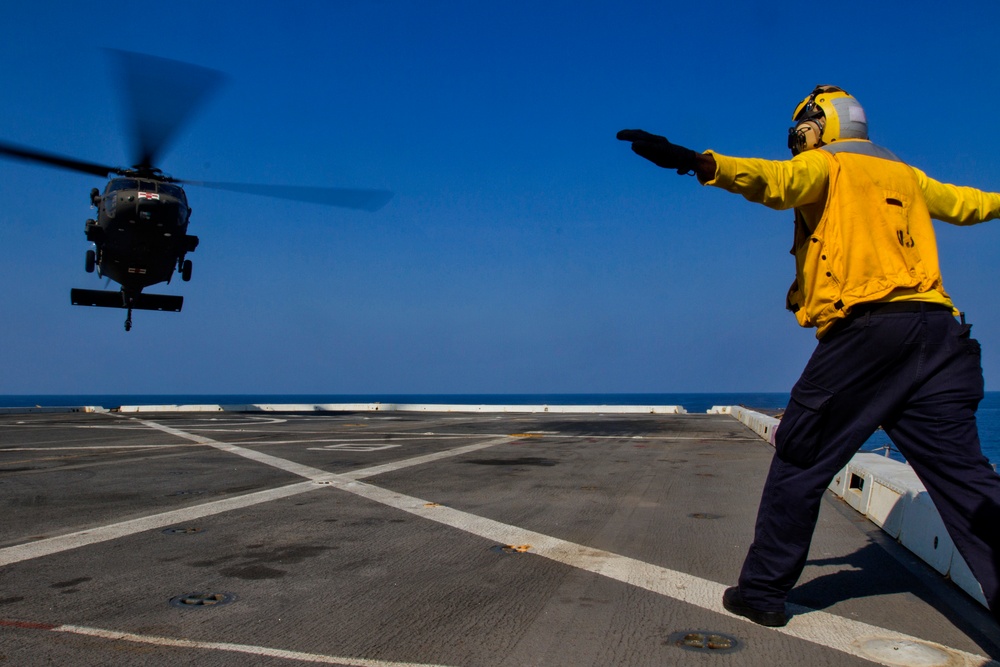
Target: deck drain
{"points": [[701, 640], [903, 652], [188, 530], [202, 600], [705, 515], [189, 492]]}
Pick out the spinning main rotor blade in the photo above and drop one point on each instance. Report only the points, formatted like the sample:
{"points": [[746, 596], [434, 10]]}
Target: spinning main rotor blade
{"points": [[32, 155], [366, 200], [356, 198], [161, 95]]}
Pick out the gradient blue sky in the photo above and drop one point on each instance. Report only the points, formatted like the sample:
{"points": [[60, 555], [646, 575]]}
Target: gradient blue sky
{"points": [[525, 250]]}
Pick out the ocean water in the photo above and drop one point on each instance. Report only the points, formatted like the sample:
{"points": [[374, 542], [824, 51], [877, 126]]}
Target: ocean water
{"points": [[989, 409]]}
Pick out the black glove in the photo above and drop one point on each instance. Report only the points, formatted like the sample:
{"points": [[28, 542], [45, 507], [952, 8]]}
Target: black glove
{"points": [[659, 151]]}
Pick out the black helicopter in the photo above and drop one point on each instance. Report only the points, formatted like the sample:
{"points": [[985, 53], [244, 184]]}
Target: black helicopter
{"points": [[140, 235]]}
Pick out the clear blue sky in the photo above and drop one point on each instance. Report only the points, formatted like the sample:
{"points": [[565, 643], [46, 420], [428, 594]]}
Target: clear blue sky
{"points": [[525, 250]]}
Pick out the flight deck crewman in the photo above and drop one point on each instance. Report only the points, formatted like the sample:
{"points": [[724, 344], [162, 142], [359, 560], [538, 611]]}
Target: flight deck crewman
{"points": [[891, 352]]}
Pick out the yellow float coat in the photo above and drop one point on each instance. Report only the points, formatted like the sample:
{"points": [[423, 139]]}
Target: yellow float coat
{"points": [[863, 229]]}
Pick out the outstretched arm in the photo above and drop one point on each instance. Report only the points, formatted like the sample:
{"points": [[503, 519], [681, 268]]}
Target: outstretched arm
{"points": [[958, 204], [778, 184], [662, 153]]}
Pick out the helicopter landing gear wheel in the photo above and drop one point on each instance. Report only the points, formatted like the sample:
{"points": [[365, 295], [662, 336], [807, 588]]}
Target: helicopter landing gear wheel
{"points": [[91, 261], [186, 270], [128, 320]]}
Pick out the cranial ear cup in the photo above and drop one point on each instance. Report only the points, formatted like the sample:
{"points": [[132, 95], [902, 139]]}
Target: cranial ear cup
{"points": [[808, 134]]}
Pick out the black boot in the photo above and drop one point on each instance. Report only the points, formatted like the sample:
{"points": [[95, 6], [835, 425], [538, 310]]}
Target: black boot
{"points": [[733, 602]]}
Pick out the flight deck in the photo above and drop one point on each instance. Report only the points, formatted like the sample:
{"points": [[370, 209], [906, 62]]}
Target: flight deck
{"points": [[416, 538]]}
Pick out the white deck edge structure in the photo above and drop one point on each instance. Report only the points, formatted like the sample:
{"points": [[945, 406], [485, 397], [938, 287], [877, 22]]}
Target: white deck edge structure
{"points": [[410, 407], [891, 496], [38, 409]]}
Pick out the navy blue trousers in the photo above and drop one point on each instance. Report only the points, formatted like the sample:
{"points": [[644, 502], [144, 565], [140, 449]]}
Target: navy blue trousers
{"points": [[919, 376]]}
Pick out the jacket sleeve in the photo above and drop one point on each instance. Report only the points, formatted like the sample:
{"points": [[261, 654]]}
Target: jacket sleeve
{"points": [[777, 184], [956, 204]]}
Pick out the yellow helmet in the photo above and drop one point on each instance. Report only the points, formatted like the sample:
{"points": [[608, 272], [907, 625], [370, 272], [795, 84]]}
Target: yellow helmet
{"points": [[827, 115]]}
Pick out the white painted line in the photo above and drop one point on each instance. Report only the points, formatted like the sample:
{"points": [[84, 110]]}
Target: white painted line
{"points": [[308, 472], [426, 458], [318, 475], [518, 436], [352, 447], [75, 448], [827, 630], [261, 651], [110, 426], [81, 538], [366, 438]]}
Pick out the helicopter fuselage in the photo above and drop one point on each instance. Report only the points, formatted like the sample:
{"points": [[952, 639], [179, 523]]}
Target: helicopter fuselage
{"points": [[140, 236]]}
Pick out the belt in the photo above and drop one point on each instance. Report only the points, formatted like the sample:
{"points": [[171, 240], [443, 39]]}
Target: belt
{"points": [[887, 307]]}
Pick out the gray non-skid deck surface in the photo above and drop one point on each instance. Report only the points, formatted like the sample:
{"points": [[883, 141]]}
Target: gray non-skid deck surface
{"points": [[385, 539]]}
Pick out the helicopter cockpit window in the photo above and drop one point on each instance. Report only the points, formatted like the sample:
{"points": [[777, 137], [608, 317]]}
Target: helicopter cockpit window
{"points": [[173, 191], [147, 186], [122, 184]]}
